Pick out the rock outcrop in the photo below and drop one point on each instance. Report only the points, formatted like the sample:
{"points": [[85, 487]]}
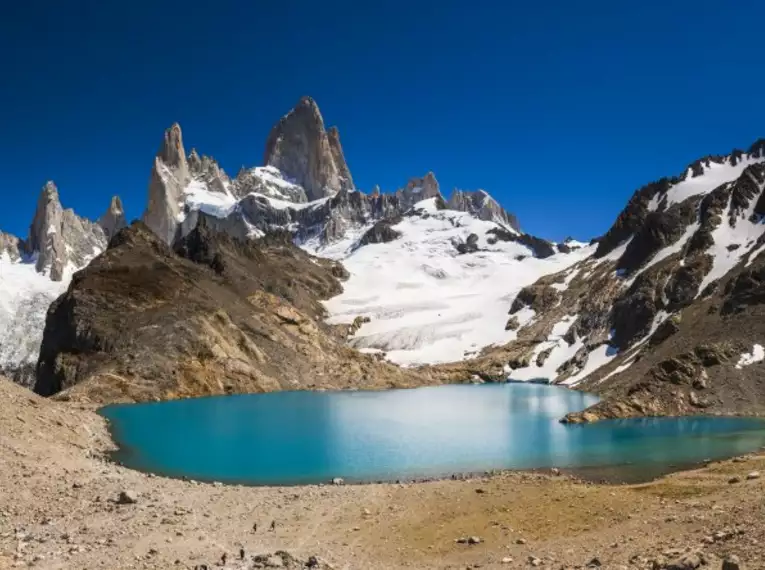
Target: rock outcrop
{"points": [[217, 315], [301, 148], [482, 206], [113, 220], [418, 189], [10, 246], [169, 176]]}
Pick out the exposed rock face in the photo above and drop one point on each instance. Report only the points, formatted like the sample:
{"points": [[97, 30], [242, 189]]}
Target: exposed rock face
{"points": [[269, 182], [541, 248], [218, 316], [538, 297], [207, 170], [300, 148], [418, 189], [113, 220], [169, 176], [381, 232], [11, 246], [60, 238], [482, 206]]}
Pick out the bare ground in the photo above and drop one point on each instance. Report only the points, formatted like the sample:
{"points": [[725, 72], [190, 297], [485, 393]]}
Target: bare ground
{"points": [[58, 510]]}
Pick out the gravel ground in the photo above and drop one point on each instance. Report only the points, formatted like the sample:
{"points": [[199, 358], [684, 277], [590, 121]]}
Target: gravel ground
{"points": [[60, 507]]}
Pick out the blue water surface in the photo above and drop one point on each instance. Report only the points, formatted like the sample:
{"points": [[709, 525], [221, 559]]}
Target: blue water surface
{"points": [[311, 437]]}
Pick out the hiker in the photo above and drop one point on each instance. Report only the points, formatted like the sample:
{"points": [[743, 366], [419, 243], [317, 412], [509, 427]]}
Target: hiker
{"points": [[223, 559], [241, 554], [273, 525], [255, 527]]}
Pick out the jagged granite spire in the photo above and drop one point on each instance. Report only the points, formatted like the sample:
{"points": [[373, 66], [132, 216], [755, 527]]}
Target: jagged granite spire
{"points": [[45, 237], [60, 237], [301, 149], [113, 220], [169, 177]]}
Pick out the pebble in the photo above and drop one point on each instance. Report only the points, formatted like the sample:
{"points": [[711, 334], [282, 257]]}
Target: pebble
{"points": [[507, 560], [734, 479], [753, 475], [534, 561], [520, 541], [127, 498], [732, 563]]}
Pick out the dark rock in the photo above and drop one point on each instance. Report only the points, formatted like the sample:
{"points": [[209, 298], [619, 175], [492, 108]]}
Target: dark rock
{"points": [[512, 324], [665, 330], [540, 247], [127, 498], [543, 356], [381, 232], [538, 296], [470, 245], [659, 230]]}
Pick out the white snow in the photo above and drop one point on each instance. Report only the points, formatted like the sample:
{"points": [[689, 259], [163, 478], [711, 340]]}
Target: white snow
{"points": [[427, 303], [561, 352], [25, 296], [619, 369], [714, 175], [198, 197], [598, 357], [743, 233], [569, 277], [757, 355]]}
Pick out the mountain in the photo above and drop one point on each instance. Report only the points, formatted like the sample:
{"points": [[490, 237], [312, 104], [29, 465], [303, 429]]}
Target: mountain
{"points": [[214, 316], [660, 316], [34, 271]]}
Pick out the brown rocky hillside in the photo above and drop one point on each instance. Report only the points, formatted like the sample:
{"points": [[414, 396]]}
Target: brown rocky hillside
{"points": [[215, 316]]}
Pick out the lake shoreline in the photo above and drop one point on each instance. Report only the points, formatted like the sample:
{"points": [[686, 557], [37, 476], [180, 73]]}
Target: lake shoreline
{"points": [[65, 512], [628, 472]]}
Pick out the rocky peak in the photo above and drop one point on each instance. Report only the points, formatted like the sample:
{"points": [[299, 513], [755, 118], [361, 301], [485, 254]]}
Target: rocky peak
{"points": [[305, 152], [207, 169], [171, 152], [44, 234], [418, 189], [169, 176], [113, 220], [480, 204], [60, 238]]}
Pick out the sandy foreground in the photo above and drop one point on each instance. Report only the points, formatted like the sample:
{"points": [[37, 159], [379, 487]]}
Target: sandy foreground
{"points": [[59, 509]]}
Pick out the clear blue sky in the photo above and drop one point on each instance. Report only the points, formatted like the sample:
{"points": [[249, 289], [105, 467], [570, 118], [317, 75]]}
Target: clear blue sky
{"points": [[559, 109]]}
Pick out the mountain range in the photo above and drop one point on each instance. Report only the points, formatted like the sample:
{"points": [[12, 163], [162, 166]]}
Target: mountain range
{"points": [[286, 276]]}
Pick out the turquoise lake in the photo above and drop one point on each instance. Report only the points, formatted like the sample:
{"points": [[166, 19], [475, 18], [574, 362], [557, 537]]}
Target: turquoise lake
{"points": [[290, 438]]}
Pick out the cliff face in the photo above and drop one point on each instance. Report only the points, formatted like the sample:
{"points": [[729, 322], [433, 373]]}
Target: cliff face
{"points": [[306, 153], [215, 316]]}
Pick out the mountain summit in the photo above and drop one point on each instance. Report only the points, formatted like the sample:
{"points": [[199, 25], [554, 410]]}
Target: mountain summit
{"points": [[305, 153]]}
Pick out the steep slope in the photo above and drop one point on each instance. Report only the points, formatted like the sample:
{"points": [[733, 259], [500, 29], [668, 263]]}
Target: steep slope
{"points": [[304, 152], [220, 315], [33, 272], [435, 287], [670, 253], [432, 276]]}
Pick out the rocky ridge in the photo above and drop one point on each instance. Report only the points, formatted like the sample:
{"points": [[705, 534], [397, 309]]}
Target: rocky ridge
{"points": [[216, 315], [35, 270], [648, 319]]}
